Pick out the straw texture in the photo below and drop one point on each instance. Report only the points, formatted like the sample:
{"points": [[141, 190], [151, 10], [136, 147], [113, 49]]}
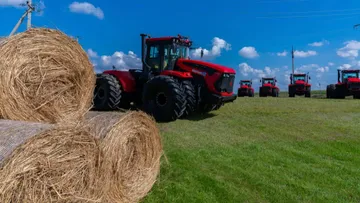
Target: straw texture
{"points": [[108, 157], [45, 76], [132, 148], [56, 165]]}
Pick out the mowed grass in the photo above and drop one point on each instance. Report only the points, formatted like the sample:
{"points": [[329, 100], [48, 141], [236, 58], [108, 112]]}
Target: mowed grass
{"points": [[264, 150]]}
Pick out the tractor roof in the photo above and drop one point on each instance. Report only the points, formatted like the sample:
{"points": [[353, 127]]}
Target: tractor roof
{"points": [[179, 39], [299, 74], [350, 71], [268, 78]]}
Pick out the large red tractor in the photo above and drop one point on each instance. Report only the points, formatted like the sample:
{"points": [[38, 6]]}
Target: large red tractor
{"points": [[169, 85], [348, 84], [299, 85], [245, 88], [268, 87]]}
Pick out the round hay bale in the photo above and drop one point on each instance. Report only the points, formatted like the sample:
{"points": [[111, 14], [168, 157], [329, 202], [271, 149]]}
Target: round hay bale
{"points": [[45, 76], [132, 148], [59, 164]]}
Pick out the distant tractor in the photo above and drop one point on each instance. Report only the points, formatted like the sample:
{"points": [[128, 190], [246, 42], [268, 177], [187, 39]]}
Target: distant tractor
{"points": [[299, 85], [170, 85], [348, 84], [245, 89], [268, 87]]}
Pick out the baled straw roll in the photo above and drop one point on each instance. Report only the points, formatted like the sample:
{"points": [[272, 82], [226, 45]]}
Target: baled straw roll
{"points": [[132, 149], [66, 164], [45, 76], [43, 163]]}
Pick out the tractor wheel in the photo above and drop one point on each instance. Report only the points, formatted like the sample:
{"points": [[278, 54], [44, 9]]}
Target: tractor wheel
{"points": [[328, 92], [356, 96], [251, 93], [308, 94], [332, 91], [164, 98], [275, 93], [190, 97], [107, 93]]}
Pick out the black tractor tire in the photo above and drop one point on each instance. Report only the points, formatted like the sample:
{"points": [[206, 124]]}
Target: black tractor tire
{"points": [[275, 93], [356, 96], [164, 98], [332, 91], [308, 94], [190, 95], [107, 93], [328, 92], [251, 94]]}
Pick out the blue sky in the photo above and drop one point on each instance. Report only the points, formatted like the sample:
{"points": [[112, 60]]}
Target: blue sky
{"points": [[249, 36]]}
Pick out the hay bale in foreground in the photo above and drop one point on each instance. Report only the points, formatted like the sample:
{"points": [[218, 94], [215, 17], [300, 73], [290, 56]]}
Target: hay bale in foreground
{"points": [[132, 148], [45, 76], [121, 168], [53, 164]]}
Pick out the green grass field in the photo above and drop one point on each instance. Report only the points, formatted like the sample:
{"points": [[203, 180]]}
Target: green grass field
{"points": [[264, 150]]}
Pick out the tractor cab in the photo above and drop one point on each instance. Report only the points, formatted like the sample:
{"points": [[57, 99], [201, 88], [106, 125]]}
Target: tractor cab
{"points": [[160, 54], [245, 83], [299, 78], [348, 76], [268, 81]]}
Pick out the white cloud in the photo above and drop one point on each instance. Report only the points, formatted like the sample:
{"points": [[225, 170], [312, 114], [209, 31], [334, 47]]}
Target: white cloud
{"points": [[92, 54], [13, 3], [331, 64], [345, 67], [319, 44], [248, 52], [218, 45], [322, 69], [86, 8], [304, 54], [248, 71], [121, 60], [350, 50], [284, 53]]}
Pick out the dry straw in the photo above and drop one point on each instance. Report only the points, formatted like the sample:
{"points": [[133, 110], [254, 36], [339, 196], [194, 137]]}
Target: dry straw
{"points": [[132, 148], [57, 165], [45, 76], [109, 157]]}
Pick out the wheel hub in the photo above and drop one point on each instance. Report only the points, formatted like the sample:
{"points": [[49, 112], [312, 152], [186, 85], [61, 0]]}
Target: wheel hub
{"points": [[161, 99], [100, 93]]}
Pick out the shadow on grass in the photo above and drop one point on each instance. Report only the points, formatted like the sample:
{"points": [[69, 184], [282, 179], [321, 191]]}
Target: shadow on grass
{"points": [[198, 116]]}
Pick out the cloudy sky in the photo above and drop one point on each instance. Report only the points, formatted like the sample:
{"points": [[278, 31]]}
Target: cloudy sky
{"points": [[254, 37]]}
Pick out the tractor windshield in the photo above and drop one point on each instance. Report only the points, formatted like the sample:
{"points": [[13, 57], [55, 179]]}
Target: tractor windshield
{"points": [[268, 81], [299, 77], [173, 52], [245, 83], [347, 75]]}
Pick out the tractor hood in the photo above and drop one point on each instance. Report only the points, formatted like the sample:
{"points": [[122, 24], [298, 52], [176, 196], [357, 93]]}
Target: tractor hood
{"points": [[353, 80], [244, 86], [217, 67], [299, 82], [267, 85]]}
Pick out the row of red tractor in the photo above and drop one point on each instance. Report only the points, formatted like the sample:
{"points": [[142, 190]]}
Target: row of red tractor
{"points": [[170, 85], [348, 85]]}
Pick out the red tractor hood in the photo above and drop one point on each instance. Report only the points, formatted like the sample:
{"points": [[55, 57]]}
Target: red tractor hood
{"points": [[300, 82], [354, 80], [217, 67], [244, 86], [267, 85]]}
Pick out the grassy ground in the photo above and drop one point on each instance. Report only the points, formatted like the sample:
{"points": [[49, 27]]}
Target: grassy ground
{"points": [[264, 150]]}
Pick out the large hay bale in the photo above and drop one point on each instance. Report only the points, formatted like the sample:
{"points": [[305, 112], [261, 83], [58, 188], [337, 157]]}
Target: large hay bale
{"points": [[132, 149], [45, 76], [110, 157], [54, 164]]}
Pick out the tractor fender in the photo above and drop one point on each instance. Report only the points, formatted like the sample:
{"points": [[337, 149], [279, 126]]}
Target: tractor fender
{"points": [[177, 74], [125, 78]]}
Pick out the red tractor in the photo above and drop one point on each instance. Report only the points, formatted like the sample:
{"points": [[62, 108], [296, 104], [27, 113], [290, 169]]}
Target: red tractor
{"points": [[268, 87], [245, 89], [299, 85], [170, 85], [348, 84]]}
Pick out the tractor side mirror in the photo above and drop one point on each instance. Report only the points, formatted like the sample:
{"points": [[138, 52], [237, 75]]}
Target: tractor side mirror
{"points": [[260, 80], [309, 78], [275, 80]]}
